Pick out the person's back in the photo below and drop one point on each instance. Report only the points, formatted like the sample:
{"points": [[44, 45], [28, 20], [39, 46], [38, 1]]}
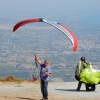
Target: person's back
{"points": [[80, 66]]}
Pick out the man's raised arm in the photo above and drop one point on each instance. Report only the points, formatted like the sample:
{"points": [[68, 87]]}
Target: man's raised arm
{"points": [[37, 59]]}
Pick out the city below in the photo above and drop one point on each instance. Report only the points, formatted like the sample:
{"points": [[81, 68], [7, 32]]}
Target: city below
{"points": [[17, 49]]}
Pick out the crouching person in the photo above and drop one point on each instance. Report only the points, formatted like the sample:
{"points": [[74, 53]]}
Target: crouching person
{"points": [[80, 66]]}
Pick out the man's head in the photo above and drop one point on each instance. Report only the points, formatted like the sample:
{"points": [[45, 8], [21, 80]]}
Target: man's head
{"points": [[83, 59], [46, 62]]}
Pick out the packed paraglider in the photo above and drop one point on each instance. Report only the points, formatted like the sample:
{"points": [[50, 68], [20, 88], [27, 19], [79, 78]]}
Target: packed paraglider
{"points": [[85, 73]]}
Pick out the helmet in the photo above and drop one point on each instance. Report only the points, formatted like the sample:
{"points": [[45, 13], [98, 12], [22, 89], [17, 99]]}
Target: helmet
{"points": [[83, 59]]}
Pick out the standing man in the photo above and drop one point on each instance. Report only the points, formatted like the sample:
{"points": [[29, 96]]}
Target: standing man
{"points": [[80, 66], [45, 72]]}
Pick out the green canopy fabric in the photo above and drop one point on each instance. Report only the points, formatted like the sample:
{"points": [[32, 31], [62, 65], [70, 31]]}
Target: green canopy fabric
{"points": [[90, 76]]}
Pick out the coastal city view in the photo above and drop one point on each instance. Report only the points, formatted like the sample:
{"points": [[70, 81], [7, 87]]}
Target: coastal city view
{"points": [[17, 48]]}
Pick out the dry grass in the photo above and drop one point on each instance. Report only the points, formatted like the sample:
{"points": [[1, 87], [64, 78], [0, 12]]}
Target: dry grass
{"points": [[14, 79]]}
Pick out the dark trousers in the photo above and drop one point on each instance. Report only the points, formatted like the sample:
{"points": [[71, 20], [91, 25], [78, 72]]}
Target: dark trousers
{"points": [[79, 83], [44, 89]]}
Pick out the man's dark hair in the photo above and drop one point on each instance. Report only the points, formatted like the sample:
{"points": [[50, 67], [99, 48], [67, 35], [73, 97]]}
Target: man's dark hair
{"points": [[83, 59]]}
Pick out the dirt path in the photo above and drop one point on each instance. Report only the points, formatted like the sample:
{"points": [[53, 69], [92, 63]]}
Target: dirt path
{"points": [[57, 91]]}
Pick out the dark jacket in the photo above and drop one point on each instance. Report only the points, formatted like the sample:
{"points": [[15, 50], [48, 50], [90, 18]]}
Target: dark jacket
{"points": [[80, 66]]}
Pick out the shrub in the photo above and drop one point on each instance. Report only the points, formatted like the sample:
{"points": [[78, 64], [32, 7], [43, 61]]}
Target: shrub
{"points": [[2, 79], [10, 78]]}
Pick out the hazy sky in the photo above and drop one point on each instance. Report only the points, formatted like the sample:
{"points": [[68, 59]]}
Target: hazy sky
{"points": [[49, 8]]}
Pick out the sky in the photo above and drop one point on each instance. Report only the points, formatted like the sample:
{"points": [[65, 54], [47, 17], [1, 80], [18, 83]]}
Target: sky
{"points": [[51, 9]]}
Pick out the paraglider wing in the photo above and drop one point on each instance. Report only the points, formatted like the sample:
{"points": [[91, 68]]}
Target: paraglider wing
{"points": [[58, 26], [71, 36], [21, 23], [64, 30]]}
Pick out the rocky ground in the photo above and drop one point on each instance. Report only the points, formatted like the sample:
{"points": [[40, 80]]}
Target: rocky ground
{"points": [[57, 91]]}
